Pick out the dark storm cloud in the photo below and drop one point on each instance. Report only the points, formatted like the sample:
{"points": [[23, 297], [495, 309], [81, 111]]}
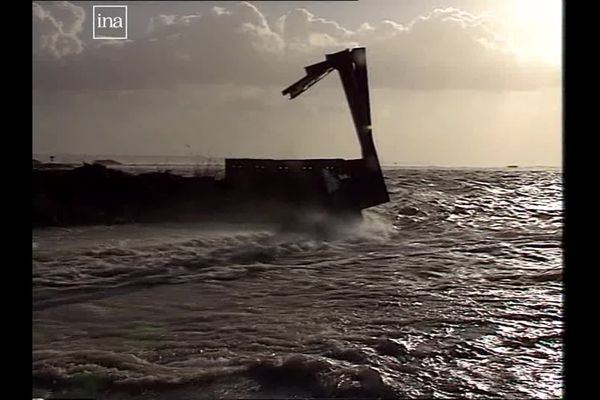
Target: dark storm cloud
{"points": [[235, 44]]}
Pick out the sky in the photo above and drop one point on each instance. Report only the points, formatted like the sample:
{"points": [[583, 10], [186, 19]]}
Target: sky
{"points": [[453, 83]]}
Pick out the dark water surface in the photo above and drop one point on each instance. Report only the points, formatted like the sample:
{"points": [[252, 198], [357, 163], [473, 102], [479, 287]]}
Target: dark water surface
{"points": [[453, 289]]}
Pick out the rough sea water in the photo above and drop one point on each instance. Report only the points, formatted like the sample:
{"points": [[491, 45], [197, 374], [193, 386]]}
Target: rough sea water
{"points": [[451, 290]]}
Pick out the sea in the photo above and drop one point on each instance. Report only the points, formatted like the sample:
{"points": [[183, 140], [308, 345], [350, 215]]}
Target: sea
{"points": [[453, 289]]}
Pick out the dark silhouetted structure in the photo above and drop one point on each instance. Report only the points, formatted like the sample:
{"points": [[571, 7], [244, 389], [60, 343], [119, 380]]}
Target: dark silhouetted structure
{"points": [[255, 189], [334, 183]]}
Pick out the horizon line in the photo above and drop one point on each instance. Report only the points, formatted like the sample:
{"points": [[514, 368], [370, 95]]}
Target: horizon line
{"points": [[383, 165]]}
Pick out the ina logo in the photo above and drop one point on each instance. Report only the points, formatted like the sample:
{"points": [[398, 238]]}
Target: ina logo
{"points": [[110, 22]]}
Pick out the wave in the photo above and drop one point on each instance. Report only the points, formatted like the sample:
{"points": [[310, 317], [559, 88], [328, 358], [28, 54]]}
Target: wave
{"points": [[101, 372]]}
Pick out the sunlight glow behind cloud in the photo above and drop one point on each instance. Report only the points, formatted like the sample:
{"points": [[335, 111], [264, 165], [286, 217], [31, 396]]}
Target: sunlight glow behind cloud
{"points": [[449, 86]]}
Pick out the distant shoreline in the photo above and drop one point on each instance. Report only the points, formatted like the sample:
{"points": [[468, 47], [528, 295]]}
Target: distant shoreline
{"points": [[148, 161]]}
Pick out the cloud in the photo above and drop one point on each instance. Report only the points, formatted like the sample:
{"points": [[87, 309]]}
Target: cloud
{"points": [[56, 27], [451, 49], [302, 31], [444, 49]]}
